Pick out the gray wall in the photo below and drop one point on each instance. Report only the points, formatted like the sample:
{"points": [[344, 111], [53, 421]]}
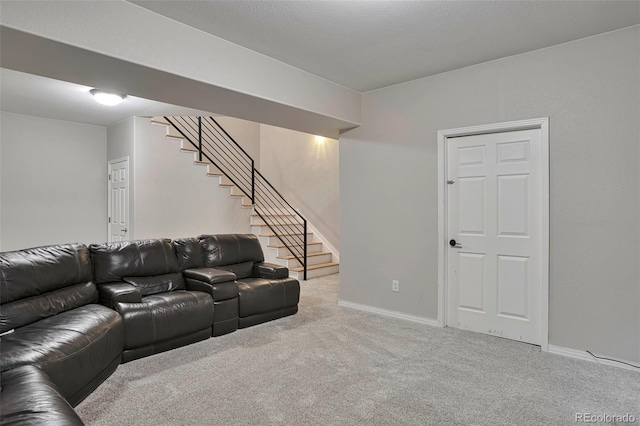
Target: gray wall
{"points": [[120, 139], [0, 183], [175, 198], [246, 133], [53, 176], [388, 183], [305, 172], [120, 144]]}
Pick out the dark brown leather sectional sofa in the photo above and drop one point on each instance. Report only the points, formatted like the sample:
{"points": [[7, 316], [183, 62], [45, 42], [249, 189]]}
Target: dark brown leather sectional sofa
{"points": [[70, 314]]}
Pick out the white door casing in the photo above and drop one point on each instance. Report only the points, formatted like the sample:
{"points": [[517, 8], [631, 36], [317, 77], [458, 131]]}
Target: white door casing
{"points": [[497, 210], [118, 215]]}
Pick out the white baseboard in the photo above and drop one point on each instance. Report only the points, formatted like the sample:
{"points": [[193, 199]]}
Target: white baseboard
{"points": [[388, 313], [583, 355]]}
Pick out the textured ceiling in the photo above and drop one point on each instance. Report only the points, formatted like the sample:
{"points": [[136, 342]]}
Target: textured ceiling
{"points": [[29, 94], [365, 45]]}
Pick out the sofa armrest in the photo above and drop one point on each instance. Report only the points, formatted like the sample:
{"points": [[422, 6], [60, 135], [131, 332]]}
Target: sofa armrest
{"points": [[270, 271], [220, 284], [209, 275], [112, 293]]}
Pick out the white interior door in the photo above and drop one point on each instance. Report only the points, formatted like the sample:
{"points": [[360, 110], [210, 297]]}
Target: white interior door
{"points": [[494, 214], [119, 200]]}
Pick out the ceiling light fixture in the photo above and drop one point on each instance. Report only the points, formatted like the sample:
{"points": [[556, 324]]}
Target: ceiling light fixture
{"points": [[106, 98]]}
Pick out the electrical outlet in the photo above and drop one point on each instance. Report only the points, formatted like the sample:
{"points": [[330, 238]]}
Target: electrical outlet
{"points": [[395, 285]]}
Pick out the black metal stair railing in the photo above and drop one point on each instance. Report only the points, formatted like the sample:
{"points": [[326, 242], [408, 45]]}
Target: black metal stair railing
{"points": [[217, 147]]}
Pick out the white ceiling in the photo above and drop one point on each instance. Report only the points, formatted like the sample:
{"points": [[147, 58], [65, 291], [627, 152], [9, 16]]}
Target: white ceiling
{"points": [[29, 94], [366, 45]]}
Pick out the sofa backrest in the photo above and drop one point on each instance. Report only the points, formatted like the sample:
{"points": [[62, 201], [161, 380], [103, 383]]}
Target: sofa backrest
{"points": [[41, 282], [150, 265], [234, 252], [189, 252]]}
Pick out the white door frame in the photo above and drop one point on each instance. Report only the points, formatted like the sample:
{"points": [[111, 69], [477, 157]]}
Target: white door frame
{"points": [[443, 246], [109, 165]]}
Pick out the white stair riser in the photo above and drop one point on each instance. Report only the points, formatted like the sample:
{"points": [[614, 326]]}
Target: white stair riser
{"points": [[159, 121], [311, 248], [281, 220], [314, 273], [312, 260], [213, 170], [225, 180], [277, 211], [196, 159], [270, 256], [283, 251], [255, 220], [287, 229], [173, 133], [296, 239], [186, 146], [236, 192]]}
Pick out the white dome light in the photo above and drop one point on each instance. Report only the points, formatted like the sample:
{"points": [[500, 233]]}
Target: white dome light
{"points": [[106, 98]]}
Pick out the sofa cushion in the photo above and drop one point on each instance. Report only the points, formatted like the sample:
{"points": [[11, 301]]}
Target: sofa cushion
{"points": [[219, 291], [240, 270], [116, 260], [39, 270], [157, 283], [229, 249], [26, 311], [209, 275], [189, 253], [165, 316], [258, 295], [29, 397], [72, 347]]}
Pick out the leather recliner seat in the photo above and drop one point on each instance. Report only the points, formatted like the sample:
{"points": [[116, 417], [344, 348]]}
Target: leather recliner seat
{"points": [[48, 299], [246, 290], [142, 281], [30, 398]]}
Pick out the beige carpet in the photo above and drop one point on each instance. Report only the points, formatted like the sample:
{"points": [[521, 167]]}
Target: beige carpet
{"points": [[330, 365]]}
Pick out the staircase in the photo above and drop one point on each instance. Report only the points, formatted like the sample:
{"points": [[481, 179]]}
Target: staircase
{"points": [[283, 232], [319, 262]]}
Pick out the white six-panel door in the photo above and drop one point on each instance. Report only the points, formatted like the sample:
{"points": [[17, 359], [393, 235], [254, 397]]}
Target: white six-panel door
{"points": [[118, 200], [494, 216]]}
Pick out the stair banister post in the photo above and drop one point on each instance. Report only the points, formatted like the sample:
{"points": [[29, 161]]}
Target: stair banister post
{"points": [[199, 138], [253, 181], [305, 248]]}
